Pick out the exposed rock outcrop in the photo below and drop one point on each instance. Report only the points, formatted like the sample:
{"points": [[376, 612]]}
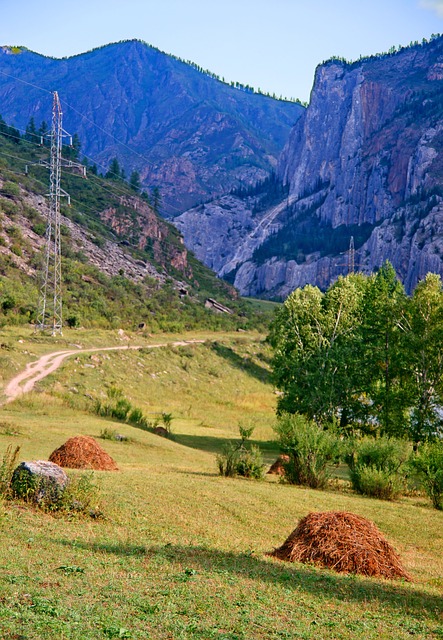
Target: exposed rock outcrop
{"points": [[365, 160]]}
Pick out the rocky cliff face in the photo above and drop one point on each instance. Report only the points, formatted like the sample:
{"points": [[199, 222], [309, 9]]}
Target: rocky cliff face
{"points": [[184, 131], [365, 160], [136, 222]]}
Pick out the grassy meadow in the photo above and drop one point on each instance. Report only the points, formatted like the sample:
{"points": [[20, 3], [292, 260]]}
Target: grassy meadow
{"points": [[180, 551]]}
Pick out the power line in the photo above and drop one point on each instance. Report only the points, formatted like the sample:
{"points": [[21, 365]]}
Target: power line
{"points": [[84, 117], [30, 84], [121, 191]]}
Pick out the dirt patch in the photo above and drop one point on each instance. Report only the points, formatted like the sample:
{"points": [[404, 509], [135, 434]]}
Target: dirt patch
{"points": [[344, 542], [278, 468], [83, 452]]}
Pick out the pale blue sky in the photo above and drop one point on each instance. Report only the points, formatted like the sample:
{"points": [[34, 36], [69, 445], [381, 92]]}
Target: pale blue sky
{"points": [[271, 44]]}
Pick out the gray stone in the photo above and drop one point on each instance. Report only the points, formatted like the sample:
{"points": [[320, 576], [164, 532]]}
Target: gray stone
{"points": [[39, 481]]}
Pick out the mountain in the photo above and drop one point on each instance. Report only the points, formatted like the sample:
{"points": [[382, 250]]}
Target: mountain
{"points": [[185, 131], [365, 161], [122, 263]]}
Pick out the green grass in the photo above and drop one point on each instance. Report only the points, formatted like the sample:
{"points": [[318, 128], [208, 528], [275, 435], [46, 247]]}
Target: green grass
{"points": [[181, 551]]}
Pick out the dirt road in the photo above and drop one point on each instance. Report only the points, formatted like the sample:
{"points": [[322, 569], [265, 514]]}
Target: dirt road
{"points": [[35, 371]]}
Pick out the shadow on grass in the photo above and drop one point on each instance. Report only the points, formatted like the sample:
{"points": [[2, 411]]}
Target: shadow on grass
{"points": [[328, 585], [211, 444], [317, 582], [205, 474], [245, 364], [106, 547]]}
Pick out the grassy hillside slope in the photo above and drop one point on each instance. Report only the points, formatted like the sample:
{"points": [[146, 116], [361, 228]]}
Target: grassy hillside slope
{"points": [[180, 553], [122, 264]]}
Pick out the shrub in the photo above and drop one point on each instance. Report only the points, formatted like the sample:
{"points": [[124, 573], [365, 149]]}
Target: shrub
{"points": [[81, 496], [377, 467], [121, 410], [7, 467], [250, 463], [10, 189], [310, 450], [16, 249], [167, 421], [228, 459], [73, 321], [428, 464], [241, 459], [111, 434]]}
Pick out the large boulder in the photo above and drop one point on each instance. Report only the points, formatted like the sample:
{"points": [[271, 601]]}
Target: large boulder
{"points": [[39, 481]]}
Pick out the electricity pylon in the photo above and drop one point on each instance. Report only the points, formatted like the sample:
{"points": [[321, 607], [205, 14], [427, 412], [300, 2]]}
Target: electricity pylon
{"points": [[351, 256], [49, 312]]}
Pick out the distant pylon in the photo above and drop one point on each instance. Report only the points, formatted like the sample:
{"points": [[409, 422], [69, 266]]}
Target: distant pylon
{"points": [[49, 312], [351, 256]]}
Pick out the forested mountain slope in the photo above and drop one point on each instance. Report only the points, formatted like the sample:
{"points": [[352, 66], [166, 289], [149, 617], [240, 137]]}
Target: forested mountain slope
{"points": [[182, 129]]}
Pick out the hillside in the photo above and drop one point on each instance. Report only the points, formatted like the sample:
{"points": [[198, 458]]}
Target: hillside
{"points": [[364, 160], [183, 130], [180, 552], [122, 263]]}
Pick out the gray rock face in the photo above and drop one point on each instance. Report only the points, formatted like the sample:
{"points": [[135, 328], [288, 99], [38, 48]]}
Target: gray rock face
{"points": [[215, 231], [364, 160], [39, 481]]}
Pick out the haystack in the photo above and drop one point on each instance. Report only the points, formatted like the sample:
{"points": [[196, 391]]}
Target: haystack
{"points": [[83, 452], [344, 542], [278, 468]]}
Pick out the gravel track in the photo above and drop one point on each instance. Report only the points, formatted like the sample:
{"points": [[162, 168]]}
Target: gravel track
{"points": [[39, 369]]}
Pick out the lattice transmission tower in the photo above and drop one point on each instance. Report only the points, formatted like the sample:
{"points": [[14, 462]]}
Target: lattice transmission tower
{"points": [[50, 306], [351, 256]]}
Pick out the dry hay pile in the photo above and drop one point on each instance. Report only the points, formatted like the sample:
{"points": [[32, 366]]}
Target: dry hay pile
{"points": [[83, 452], [278, 468], [344, 542]]}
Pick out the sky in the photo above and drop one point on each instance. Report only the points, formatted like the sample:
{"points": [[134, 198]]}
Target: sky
{"points": [[274, 45]]}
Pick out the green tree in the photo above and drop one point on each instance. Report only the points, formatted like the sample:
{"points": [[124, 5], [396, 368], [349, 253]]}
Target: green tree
{"points": [[424, 353], [72, 151], [114, 171], [382, 358], [315, 338], [31, 132], [134, 181], [42, 132], [156, 199]]}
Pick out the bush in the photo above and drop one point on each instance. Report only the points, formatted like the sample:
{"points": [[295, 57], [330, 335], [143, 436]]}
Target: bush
{"points": [[73, 321], [7, 467], [428, 464], [310, 450], [10, 189], [111, 434], [228, 459], [377, 483], [119, 408], [241, 459], [81, 496], [250, 463], [377, 467]]}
